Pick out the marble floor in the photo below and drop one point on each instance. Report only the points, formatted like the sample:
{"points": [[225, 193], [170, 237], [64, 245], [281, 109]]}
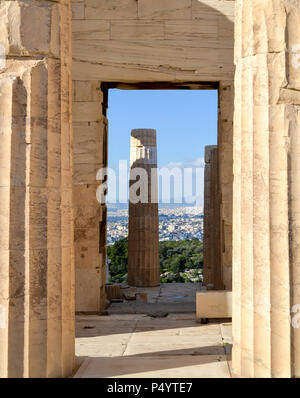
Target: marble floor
{"points": [[138, 345]]}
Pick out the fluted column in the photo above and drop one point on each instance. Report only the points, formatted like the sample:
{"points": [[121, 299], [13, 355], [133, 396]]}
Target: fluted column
{"points": [[143, 259], [225, 151], [212, 272], [36, 239], [266, 205]]}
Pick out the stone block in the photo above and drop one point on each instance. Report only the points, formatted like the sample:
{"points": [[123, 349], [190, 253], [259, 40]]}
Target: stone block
{"points": [[112, 9], [161, 55], [86, 29], [88, 150], [84, 193], [205, 29], [87, 299], [78, 11], [137, 30], [87, 216], [164, 9], [288, 96], [13, 103], [87, 236], [39, 17], [87, 111], [113, 73], [87, 91], [225, 32], [113, 291], [214, 304], [86, 173]]}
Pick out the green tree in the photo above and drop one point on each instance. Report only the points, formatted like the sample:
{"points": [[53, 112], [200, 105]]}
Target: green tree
{"points": [[180, 261], [118, 256]]}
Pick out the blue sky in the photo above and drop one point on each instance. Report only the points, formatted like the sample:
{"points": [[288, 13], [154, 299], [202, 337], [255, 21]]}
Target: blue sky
{"points": [[185, 121]]}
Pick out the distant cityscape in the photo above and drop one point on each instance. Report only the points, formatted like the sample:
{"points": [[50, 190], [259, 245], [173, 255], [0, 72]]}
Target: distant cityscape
{"points": [[175, 223]]}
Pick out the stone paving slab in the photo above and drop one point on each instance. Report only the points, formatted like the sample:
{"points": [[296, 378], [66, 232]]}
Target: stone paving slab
{"points": [[130, 345], [185, 366], [97, 349]]}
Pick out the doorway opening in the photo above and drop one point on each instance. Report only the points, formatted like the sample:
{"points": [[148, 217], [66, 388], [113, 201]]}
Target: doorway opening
{"points": [[185, 118], [153, 331]]}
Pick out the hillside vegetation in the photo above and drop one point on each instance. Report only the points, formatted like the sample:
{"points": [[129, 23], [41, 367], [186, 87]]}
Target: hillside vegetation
{"points": [[180, 261]]}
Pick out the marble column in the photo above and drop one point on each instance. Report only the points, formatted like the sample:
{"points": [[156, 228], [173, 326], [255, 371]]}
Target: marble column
{"points": [[225, 151], [37, 335], [212, 271], [143, 240], [266, 191]]}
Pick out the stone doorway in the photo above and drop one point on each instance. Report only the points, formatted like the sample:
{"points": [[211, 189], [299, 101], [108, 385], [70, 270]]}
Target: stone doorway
{"points": [[124, 104], [164, 302], [91, 218]]}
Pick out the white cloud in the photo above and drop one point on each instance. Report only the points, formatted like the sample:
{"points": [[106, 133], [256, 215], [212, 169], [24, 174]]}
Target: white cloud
{"points": [[187, 163]]}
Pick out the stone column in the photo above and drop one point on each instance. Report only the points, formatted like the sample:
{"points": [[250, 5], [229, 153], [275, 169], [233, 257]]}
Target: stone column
{"points": [[225, 143], [36, 237], [266, 195], [143, 259], [212, 272]]}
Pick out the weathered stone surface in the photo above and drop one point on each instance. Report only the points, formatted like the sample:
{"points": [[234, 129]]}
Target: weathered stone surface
{"points": [[87, 111], [153, 40], [163, 57], [214, 304], [137, 30], [288, 96], [78, 11], [113, 9], [90, 136], [143, 258], [90, 30], [212, 271], [225, 152], [37, 277], [206, 29], [265, 173], [86, 299], [164, 9], [18, 19]]}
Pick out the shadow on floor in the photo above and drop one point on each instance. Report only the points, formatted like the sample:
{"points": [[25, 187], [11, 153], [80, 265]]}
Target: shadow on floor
{"points": [[96, 325], [174, 363]]}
